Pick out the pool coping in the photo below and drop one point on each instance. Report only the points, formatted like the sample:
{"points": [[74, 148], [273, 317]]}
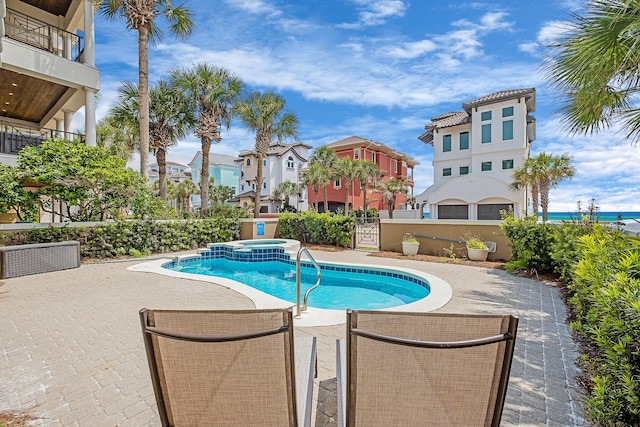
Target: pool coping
{"points": [[440, 291]]}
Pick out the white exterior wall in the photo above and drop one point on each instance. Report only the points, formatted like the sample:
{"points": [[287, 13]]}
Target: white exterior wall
{"points": [[479, 187]]}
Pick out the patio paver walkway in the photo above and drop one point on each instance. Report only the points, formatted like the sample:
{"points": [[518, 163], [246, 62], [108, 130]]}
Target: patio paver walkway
{"points": [[71, 350]]}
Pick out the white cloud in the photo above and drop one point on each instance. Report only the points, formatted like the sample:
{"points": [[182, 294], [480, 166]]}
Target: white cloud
{"points": [[257, 7], [376, 12], [413, 49]]}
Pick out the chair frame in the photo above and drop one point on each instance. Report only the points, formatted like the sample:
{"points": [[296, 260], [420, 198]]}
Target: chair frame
{"points": [[508, 337], [149, 331]]}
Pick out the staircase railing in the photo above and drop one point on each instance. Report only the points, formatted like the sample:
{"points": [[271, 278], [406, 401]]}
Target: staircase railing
{"points": [[306, 294]]}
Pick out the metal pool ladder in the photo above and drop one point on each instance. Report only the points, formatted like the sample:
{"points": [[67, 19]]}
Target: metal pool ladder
{"points": [[306, 294]]}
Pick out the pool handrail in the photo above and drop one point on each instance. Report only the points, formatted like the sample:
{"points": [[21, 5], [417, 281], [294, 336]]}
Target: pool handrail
{"points": [[306, 294]]}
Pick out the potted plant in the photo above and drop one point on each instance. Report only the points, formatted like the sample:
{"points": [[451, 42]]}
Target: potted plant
{"points": [[410, 245], [477, 250]]}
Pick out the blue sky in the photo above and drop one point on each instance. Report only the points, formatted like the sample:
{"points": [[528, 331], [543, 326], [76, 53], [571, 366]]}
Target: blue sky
{"points": [[380, 69]]}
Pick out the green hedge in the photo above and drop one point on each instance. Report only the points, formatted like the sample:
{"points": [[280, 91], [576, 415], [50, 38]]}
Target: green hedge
{"points": [[134, 238], [606, 304], [316, 228]]}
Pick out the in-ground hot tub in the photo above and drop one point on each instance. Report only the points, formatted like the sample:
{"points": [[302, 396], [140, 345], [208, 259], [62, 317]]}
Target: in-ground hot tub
{"points": [[289, 245]]}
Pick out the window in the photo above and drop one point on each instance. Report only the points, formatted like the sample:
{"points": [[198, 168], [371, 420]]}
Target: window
{"points": [[486, 166], [464, 170], [264, 185], [290, 162], [485, 116], [242, 187], [486, 133], [446, 143], [507, 130], [264, 162], [253, 186], [507, 164], [464, 140], [356, 154], [337, 182], [446, 172], [373, 156], [248, 162], [507, 112], [395, 166]]}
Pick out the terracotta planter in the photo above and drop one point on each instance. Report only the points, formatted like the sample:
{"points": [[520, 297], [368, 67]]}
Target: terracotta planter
{"points": [[477, 254], [410, 248]]}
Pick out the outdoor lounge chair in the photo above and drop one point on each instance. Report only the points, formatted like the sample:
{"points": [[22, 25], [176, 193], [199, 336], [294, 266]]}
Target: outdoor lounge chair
{"points": [[423, 369], [229, 367]]}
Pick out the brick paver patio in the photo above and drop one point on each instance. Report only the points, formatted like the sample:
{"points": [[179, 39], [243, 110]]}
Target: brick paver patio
{"points": [[71, 350]]}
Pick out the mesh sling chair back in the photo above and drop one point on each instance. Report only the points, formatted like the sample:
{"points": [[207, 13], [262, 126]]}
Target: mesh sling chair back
{"points": [[229, 367], [417, 369]]}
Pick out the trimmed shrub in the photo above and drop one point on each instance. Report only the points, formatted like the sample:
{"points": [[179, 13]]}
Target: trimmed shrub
{"points": [[316, 228]]}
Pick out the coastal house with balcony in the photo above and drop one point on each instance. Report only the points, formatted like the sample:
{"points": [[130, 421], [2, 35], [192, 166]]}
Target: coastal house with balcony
{"points": [[223, 169], [475, 152], [283, 162], [47, 72], [392, 164]]}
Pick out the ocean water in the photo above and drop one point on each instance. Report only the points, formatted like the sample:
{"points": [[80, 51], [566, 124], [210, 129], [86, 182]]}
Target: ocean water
{"points": [[568, 216]]}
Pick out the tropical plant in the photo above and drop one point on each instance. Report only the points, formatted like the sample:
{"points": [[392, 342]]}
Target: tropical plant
{"points": [[117, 133], [346, 168], [213, 92], [220, 194], [265, 114], [326, 158], [389, 191], [541, 173], [286, 189], [170, 120], [139, 16], [92, 184], [366, 172], [314, 176], [183, 192], [13, 196], [594, 66]]}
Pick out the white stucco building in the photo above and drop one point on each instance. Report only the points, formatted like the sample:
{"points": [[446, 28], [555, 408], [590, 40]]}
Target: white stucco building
{"points": [[283, 162], [475, 154]]}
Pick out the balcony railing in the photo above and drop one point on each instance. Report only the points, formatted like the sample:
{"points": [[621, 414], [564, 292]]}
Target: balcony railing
{"points": [[14, 138], [41, 35]]}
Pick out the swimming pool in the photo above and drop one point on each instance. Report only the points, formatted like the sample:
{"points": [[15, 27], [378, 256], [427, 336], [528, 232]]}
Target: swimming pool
{"points": [[440, 292], [340, 287]]}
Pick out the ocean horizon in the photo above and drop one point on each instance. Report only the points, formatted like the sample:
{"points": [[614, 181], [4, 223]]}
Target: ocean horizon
{"points": [[611, 216]]}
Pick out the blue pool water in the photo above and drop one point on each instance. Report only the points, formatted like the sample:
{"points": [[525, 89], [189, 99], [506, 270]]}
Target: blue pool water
{"points": [[271, 271]]}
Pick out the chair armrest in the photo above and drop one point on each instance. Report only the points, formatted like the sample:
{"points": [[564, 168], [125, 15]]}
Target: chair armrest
{"points": [[341, 379], [305, 363]]}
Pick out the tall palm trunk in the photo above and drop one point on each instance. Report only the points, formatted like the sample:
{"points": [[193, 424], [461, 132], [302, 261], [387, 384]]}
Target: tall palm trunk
{"points": [[544, 198], [143, 88], [161, 157], [535, 196], [347, 186], [326, 203], [259, 179], [204, 175]]}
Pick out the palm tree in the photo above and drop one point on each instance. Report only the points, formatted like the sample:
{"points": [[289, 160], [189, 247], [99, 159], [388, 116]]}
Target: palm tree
{"points": [[286, 189], [594, 66], [389, 191], [525, 177], [170, 119], [220, 194], [139, 16], [313, 177], [326, 158], [346, 168], [184, 190], [264, 114], [550, 170], [213, 91], [119, 138], [365, 172]]}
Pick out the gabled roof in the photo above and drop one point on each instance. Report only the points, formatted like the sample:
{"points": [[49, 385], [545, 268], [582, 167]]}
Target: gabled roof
{"points": [[358, 142], [214, 159], [276, 149], [528, 94]]}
